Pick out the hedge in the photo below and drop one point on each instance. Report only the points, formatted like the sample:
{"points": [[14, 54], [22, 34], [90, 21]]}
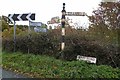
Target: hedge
{"points": [[76, 44]]}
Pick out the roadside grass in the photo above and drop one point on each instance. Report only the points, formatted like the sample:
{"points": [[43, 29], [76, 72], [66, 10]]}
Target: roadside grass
{"points": [[41, 66]]}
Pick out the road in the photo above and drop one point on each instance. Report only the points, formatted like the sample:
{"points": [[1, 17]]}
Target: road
{"points": [[9, 74]]}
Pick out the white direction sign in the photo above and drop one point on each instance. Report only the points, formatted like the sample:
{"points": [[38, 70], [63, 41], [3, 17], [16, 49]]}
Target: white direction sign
{"points": [[88, 59], [35, 23], [76, 14]]}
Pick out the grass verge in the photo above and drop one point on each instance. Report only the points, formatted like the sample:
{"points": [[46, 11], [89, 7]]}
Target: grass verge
{"points": [[38, 66]]}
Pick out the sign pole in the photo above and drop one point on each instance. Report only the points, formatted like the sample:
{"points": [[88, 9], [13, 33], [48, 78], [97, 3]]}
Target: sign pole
{"points": [[63, 27], [29, 28], [29, 36], [14, 36]]}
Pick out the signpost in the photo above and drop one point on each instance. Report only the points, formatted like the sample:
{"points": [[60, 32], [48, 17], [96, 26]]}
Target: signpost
{"points": [[20, 17], [14, 36], [64, 13], [63, 27]]}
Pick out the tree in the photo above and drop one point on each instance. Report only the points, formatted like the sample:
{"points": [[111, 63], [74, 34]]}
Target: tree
{"points": [[54, 20], [105, 25], [107, 14], [5, 24], [105, 22]]}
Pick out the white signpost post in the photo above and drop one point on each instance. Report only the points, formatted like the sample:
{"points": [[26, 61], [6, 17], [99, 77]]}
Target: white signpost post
{"points": [[64, 13]]}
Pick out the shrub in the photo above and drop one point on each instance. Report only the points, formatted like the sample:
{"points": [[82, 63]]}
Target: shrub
{"points": [[81, 45], [36, 43], [77, 42], [8, 44]]}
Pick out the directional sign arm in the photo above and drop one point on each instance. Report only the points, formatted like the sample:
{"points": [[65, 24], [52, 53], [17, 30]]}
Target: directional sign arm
{"points": [[76, 14]]}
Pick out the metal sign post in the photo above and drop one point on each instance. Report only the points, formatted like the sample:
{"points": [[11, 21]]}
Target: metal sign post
{"points": [[29, 37], [14, 36], [64, 13], [63, 27]]}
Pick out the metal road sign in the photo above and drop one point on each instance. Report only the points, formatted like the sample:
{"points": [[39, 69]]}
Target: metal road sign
{"points": [[76, 14], [88, 59], [21, 17], [35, 23]]}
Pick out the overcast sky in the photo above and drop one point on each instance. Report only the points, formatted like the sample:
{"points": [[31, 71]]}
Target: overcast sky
{"points": [[46, 9]]}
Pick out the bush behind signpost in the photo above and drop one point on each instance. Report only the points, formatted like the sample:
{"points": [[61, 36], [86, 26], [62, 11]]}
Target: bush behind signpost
{"points": [[77, 43]]}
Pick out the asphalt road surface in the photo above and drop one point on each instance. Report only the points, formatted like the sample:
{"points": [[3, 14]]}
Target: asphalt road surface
{"points": [[9, 74]]}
